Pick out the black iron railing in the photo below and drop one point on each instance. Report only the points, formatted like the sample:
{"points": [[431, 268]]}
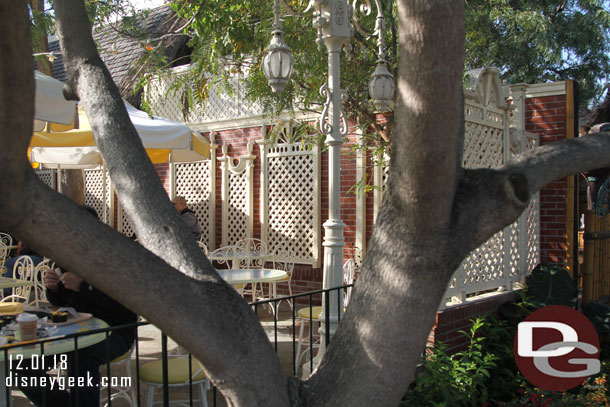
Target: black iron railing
{"points": [[307, 300]]}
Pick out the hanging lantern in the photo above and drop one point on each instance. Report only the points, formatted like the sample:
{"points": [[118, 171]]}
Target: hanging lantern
{"points": [[278, 62], [381, 87]]}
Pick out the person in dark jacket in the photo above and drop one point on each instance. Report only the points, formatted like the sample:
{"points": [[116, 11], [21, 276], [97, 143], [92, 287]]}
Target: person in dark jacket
{"points": [[68, 290], [188, 216]]}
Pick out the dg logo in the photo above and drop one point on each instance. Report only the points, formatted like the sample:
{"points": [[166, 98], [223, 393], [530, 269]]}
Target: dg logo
{"points": [[556, 348]]}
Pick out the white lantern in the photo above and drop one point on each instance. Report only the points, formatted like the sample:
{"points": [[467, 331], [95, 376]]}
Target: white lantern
{"points": [[278, 62], [381, 87]]}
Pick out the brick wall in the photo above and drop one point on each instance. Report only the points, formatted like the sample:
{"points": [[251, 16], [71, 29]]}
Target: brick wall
{"points": [[546, 116], [450, 321]]}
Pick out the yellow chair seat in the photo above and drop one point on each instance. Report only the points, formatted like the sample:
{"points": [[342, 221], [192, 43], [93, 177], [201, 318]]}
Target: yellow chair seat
{"points": [[122, 357], [305, 312], [177, 371]]}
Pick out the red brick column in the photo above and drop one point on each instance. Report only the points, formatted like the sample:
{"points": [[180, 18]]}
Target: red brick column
{"points": [[546, 116]]}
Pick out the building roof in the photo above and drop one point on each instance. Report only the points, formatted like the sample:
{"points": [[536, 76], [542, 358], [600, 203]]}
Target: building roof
{"points": [[122, 45]]}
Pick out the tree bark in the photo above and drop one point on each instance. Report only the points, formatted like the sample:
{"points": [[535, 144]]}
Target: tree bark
{"points": [[434, 213], [73, 185]]}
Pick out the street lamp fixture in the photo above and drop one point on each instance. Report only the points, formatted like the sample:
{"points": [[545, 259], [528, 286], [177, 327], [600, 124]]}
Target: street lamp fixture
{"points": [[381, 86], [278, 62], [332, 20]]}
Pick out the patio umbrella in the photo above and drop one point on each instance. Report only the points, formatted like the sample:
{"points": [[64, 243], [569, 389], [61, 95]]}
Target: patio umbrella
{"points": [[50, 104], [76, 148]]}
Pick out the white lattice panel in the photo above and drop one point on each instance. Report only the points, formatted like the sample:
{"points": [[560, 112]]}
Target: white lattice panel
{"points": [[482, 268], [97, 192], [513, 248], [483, 146], [238, 219], [219, 105], [237, 196], [49, 177], [532, 214], [193, 182], [291, 211]]}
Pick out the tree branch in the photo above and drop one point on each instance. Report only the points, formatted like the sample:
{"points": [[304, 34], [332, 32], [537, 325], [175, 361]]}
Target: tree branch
{"points": [[489, 200]]}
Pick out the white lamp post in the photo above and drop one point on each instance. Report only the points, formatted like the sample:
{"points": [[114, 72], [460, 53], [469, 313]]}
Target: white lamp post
{"points": [[332, 20]]}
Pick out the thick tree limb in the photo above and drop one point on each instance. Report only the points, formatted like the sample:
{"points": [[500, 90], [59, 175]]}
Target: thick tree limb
{"points": [[372, 357], [489, 200]]}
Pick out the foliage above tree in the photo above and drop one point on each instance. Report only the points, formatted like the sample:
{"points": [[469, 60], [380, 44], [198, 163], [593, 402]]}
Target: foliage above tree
{"points": [[537, 41]]}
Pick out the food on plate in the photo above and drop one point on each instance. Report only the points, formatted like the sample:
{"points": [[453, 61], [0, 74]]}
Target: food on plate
{"points": [[59, 316], [11, 307]]}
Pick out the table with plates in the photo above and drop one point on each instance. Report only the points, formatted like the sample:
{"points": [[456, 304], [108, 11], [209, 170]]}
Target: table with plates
{"points": [[34, 349]]}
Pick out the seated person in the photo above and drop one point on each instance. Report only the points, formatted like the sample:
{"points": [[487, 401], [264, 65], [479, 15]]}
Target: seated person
{"points": [[69, 290], [188, 216]]}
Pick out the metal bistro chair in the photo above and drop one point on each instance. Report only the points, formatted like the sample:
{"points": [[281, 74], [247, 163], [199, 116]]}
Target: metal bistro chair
{"points": [[283, 259], [311, 315], [227, 256], [151, 374], [203, 247], [6, 245], [252, 254], [40, 292], [127, 393], [23, 270]]}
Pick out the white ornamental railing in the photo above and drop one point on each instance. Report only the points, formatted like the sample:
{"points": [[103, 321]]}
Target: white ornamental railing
{"points": [[171, 97]]}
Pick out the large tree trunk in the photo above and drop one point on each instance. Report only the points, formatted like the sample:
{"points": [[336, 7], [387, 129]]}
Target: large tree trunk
{"points": [[434, 213]]}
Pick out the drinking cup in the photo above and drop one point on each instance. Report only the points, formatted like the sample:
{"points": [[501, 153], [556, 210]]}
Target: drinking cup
{"points": [[28, 324]]}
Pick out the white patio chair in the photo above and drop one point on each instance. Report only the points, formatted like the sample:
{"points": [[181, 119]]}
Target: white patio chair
{"points": [[227, 255], [253, 253], [203, 247], [23, 270], [349, 270], [127, 393], [311, 316], [40, 292], [283, 259], [6, 244], [151, 374]]}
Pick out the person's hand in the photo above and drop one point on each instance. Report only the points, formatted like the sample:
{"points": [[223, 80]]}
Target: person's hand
{"points": [[71, 281], [51, 279]]}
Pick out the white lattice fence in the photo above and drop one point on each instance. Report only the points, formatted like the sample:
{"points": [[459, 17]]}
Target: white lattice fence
{"points": [[237, 197], [171, 103], [485, 267], [193, 181], [97, 192], [290, 197], [49, 177], [511, 253]]}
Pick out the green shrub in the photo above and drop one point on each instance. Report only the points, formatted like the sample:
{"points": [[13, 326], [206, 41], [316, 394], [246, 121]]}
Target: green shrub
{"points": [[453, 380]]}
